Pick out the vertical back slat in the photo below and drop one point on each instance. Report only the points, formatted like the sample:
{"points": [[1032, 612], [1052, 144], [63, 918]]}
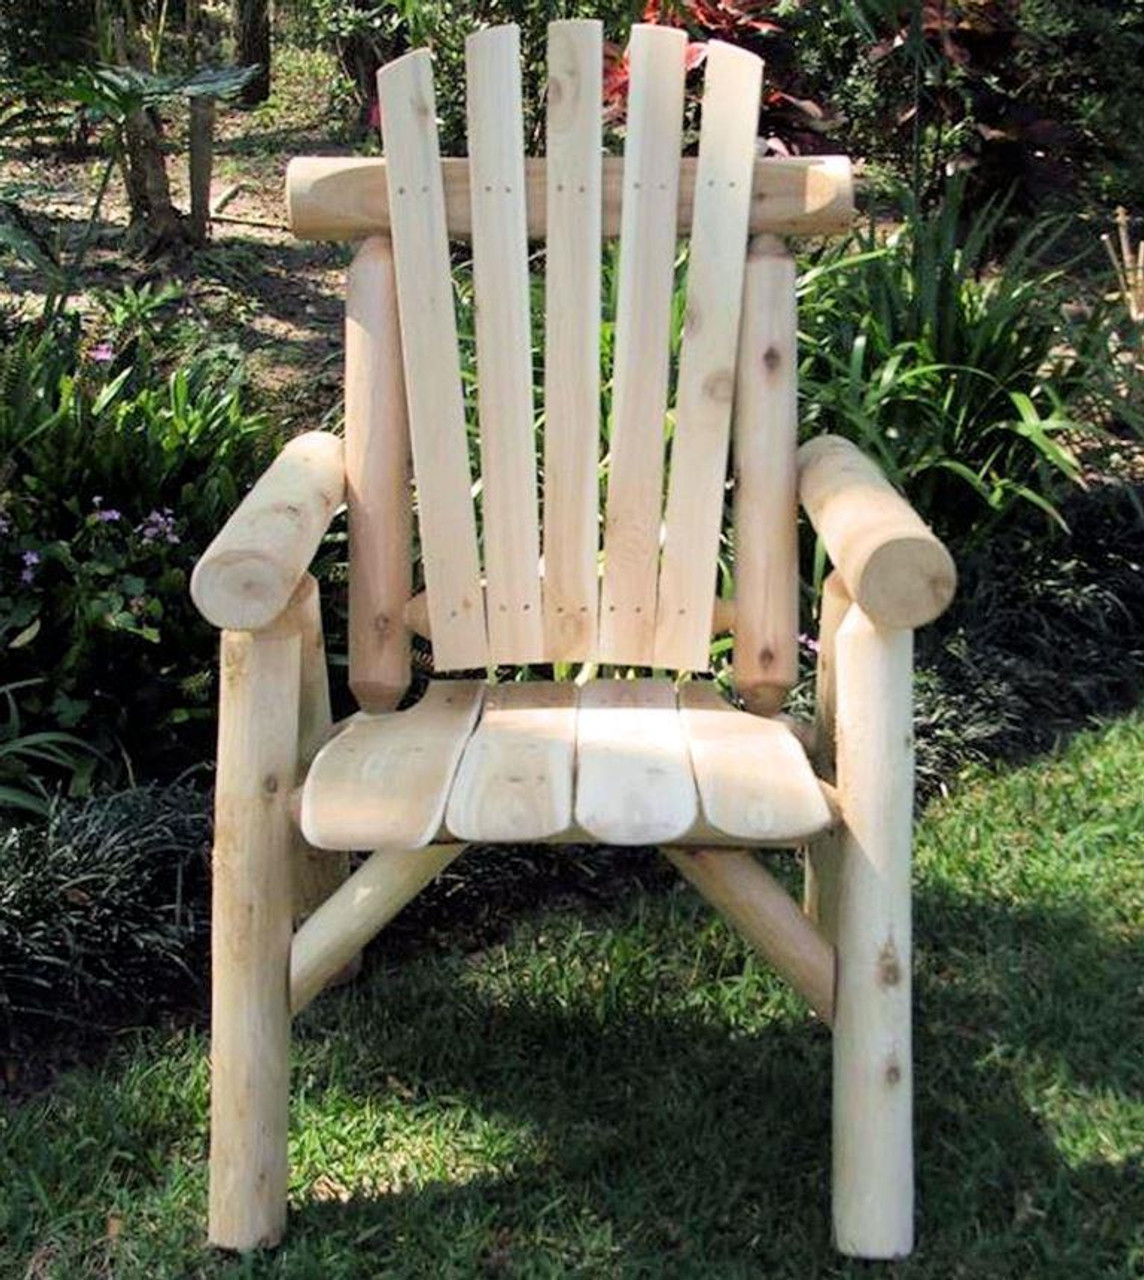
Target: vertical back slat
{"points": [[432, 367], [766, 492], [643, 328], [732, 85], [504, 346], [572, 339]]}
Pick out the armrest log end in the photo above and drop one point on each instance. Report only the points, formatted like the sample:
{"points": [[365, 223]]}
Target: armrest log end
{"points": [[893, 565], [246, 576]]}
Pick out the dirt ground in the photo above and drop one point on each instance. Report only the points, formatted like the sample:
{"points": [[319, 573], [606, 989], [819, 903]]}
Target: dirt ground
{"points": [[278, 298]]}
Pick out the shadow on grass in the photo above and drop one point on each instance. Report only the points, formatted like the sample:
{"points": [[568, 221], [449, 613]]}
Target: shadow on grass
{"points": [[694, 1141]]}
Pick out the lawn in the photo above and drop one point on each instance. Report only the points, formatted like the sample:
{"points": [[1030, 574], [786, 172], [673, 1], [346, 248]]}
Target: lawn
{"points": [[624, 1091]]}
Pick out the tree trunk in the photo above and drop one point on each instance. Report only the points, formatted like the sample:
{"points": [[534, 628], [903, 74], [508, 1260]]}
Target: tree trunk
{"points": [[252, 45], [148, 190]]}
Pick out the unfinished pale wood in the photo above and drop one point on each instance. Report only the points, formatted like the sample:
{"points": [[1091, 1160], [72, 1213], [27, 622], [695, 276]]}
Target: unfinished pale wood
{"points": [[754, 780], [706, 384], [432, 369], [748, 897], [250, 936], [766, 483], [504, 347], [416, 614], [572, 340], [873, 1071], [820, 898], [365, 904], [514, 783], [378, 492], [383, 782], [643, 330], [346, 197], [245, 577], [316, 873], [893, 565], [633, 773]]}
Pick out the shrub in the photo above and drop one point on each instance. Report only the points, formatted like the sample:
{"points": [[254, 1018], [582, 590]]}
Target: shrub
{"points": [[964, 378], [103, 910], [121, 457]]}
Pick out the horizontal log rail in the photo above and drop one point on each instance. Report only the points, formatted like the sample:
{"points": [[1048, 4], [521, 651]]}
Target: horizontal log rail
{"points": [[347, 198]]}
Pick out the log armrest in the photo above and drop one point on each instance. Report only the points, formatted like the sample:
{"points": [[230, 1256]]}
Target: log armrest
{"points": [[248, 573], [892, 564]]}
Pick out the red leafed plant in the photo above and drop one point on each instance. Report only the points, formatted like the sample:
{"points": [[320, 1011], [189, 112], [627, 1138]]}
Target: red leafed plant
{"points": [[715, 19], [617, 77]]}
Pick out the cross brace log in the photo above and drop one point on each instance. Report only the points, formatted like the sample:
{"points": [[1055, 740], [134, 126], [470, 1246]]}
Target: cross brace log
{"points": [[361, 908], [751, 899]]}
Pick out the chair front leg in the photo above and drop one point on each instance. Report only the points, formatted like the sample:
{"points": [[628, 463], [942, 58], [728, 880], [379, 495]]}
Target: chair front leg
{"points": [[873, 1086], [251, 933]]}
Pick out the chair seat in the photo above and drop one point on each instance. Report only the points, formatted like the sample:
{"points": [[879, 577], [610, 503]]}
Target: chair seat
{"points": [[622, 762]]}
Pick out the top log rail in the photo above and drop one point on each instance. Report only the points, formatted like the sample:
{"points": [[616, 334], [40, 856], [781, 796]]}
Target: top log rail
{"points": [[340, 198]]}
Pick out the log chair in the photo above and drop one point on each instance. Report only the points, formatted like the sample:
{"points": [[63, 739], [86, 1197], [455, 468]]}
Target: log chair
{"points": [[665, 758]]}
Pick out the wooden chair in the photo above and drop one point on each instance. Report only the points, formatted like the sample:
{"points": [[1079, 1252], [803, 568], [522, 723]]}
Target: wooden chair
{"points": [[610, 759]]}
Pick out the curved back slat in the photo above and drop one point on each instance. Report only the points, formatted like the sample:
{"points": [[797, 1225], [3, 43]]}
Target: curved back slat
{"points": [[642, 349], [432, 368], [504, 346], [732, 86], [572, 340]]}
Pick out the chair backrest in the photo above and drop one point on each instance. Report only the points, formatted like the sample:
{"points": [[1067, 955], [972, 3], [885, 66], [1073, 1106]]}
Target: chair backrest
{"points": [[641, 590]]}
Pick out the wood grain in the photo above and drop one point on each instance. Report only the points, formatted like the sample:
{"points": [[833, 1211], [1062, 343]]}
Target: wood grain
{"points": [[510, 527], [572, 340]]}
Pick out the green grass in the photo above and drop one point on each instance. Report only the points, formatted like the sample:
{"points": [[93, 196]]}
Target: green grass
{"points": [[624, 1091]]}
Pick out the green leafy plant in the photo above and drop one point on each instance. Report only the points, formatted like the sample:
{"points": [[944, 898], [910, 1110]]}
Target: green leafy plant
{"points": [[123, 450], [966, 379], [103, 908]]}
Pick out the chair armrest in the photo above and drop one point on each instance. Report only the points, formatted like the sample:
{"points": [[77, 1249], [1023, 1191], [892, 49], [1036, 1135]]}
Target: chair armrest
{"points": [[246, 576], [892, 564]]}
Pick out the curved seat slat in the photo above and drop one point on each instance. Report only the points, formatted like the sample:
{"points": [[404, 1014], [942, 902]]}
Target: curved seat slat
{"points": [[755, 783], [516, 777], [384, 781]]}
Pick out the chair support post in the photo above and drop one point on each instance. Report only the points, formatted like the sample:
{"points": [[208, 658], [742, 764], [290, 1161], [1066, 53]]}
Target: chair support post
{"points": [[873, 1072], [251, 929], [820, 892], [316, 872]]}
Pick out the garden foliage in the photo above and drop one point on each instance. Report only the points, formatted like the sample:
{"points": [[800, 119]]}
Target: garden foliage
{"points": [[104, 909], [121, 452]]}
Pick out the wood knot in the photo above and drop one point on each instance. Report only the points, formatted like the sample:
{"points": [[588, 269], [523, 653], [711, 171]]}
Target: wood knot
{"points": [[720, 386], [772, 358], [382, 624], [766, 656], [889, 966], [893, 1072], [270, 784]]}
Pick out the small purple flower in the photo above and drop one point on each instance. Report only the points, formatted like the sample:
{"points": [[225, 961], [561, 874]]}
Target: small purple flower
{"points": [[32, 558], [159, 526], [809, 643], [102, 353], [106, 517], [28, 576]]}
